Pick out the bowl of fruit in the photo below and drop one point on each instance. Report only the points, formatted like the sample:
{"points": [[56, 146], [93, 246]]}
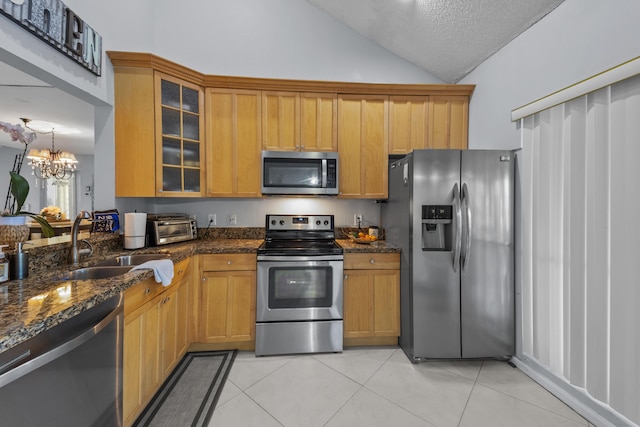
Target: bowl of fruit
{"points": [[362, 237]]}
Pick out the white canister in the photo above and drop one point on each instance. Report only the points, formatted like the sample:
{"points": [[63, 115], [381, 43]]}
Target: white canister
{"points": [[373, 231], [135, 227]]}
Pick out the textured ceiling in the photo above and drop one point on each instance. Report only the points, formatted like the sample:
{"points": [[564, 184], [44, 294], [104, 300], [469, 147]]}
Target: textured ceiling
{"points": [[447, 38]]}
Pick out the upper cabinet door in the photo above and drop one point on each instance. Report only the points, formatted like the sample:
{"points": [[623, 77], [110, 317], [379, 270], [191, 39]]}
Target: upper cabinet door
{"points": [[135, 165], [179, 138], [318, 122], [448, 121], [233, 143], [281, 121], [408, 123], [363, 145]]}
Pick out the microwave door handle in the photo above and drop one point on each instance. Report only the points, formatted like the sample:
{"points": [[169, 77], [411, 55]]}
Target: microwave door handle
{"points": [[324, 173]]}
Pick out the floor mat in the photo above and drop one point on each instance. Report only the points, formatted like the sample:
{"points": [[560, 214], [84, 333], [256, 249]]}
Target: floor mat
{"points": [[189, 396]]}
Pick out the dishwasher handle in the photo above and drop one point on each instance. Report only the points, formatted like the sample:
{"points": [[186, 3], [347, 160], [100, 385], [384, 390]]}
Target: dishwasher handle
{"points": [[25, 368]]}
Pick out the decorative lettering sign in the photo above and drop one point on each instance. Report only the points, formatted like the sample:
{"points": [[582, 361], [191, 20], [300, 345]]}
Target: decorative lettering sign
{"points": [[56, 24]]}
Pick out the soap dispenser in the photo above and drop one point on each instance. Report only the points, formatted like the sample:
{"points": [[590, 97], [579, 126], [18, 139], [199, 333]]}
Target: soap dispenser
{"points": [[19, 264], [4, 266]]}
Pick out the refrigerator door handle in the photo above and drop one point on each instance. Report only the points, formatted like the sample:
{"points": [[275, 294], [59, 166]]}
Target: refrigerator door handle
{"points": [[458, 228], [466, 228]]}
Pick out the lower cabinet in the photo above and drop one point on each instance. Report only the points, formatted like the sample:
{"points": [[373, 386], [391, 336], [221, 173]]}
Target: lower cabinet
{"points": [[155, 337], [371, 298], [227, 312]]}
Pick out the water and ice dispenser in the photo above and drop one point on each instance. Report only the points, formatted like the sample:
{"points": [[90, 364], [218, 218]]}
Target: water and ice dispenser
{"points": [[437, 227]]}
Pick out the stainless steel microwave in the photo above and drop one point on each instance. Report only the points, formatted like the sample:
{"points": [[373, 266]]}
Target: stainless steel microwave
{"points": [[300, 173]]}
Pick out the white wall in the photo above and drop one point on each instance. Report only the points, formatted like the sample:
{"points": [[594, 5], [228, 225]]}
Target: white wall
{"points": [[255, 38], [251, 212], [578, 39]]}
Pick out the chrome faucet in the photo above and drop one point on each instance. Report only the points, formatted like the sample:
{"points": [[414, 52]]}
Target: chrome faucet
{"points": [[74, 257]]}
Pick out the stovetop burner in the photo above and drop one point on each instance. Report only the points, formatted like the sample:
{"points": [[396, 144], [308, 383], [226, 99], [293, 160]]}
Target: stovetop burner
{"points": [[299, 235]]}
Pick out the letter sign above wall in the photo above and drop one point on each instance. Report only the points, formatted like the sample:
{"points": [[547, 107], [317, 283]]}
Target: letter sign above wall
{"points": [[56, 24]]}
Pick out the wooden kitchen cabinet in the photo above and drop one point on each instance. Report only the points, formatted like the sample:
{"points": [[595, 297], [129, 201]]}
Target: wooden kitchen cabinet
{"points": [[448, 121], [318, 121], [233, 135], [281, 121], [156, 336], [291, 115], [299, 121], [179, 137], [228, 300], [159, 135], [371, 298], [134, 115], [175, 311], [408, 123], [141, 357], [363, 145]]}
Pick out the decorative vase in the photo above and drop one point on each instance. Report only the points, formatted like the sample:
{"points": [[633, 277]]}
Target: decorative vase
{"points": [[13, 230]]}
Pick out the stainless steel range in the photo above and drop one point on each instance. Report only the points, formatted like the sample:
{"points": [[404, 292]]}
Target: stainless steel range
{"points": [[299, 286]]}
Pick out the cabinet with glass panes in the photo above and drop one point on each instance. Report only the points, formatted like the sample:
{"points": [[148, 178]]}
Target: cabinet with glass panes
{"points": [[179, 137]]}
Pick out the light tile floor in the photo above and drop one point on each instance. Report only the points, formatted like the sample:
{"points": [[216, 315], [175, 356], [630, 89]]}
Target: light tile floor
{"points": [[381, 387]]}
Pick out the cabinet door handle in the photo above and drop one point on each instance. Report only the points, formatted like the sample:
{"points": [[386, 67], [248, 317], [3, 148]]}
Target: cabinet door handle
{"points": [[229, 262], [146, 291], [372, 261], [346, 276]]}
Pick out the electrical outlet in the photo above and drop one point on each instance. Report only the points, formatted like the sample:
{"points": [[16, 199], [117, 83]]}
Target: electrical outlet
{"points": [[212, 219], [233, 219], [357, 220]]}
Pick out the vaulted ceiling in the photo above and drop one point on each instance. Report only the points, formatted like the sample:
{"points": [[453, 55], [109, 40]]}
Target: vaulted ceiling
{"points": [[447, 38]]}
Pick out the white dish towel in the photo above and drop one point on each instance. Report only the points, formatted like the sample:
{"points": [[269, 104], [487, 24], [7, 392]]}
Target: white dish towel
{"points": [[162, 270]]}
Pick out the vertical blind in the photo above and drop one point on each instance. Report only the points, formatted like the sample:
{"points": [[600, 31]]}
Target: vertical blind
{"points": [[580, 176]]}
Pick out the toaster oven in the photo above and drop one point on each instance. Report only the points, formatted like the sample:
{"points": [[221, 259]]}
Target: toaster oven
{"points": [[163, 229]]}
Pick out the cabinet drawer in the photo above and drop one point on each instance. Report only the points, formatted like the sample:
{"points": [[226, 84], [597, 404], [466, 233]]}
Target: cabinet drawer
{"points": [[371, 261], [141, 293], [180, 269], [228, 262]]}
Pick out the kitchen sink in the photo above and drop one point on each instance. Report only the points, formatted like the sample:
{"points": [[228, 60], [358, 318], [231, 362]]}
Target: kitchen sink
{"points": [[131, 260], [92, 273]]}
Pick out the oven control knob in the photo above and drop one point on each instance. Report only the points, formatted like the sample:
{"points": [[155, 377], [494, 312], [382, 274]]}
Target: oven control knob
{"points": [[273, 222], [326, 222], [282, 222], [318, 222]]}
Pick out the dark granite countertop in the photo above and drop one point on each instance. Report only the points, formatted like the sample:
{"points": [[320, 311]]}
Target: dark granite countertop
{"points": [[380, 246], [31, 306]]}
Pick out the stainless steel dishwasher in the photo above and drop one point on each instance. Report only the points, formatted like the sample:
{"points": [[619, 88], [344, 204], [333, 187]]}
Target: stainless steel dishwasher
{"points": [[70, 375]]}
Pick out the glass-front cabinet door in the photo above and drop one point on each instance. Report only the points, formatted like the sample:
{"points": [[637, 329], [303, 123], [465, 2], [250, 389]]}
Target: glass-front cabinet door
{"points": [[179, 137]]}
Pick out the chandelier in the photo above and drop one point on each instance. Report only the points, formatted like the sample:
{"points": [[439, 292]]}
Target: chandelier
{"points": [[50, 163]]}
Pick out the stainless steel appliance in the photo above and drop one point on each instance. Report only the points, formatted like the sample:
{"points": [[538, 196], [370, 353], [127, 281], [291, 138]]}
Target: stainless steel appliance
{"points": [[70, 375], [452, 213], [299, 286], [163, 229], [299, 173]]}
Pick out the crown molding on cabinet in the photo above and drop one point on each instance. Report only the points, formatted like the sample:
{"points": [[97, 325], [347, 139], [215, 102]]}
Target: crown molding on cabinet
{"points": [[148, 60]]}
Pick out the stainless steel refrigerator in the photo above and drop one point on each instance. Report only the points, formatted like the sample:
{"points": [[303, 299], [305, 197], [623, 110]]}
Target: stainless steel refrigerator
{"points": [[452, 213]]}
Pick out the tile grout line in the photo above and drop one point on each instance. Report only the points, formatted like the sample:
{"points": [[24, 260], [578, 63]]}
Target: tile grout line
{"points": [[475, 382], [390, 401], [536, 405]]}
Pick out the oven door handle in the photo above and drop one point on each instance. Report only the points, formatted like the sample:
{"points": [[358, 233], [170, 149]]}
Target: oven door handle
{"points": [[298, 258]]}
